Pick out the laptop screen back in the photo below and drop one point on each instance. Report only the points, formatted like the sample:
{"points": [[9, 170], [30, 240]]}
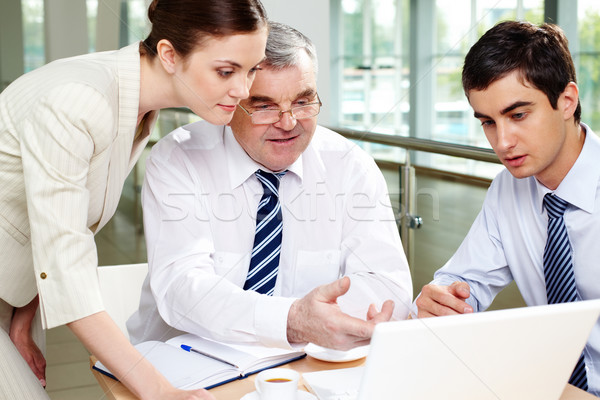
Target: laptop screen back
{"points": [[508, 354]]}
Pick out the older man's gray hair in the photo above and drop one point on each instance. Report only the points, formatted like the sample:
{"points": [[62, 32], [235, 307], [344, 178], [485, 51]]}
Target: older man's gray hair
{"points": [[284, 45]]}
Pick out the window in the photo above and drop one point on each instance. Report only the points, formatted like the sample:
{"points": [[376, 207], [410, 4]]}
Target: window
{"points": [[383, 39], [33, 33], [587, 59], [134, 27], [137, 26], [374, 87], [92, 16], [454, 120]]}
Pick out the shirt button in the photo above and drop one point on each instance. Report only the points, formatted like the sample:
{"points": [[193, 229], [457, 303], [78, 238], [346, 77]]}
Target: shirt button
{"points": [[43, 275]]}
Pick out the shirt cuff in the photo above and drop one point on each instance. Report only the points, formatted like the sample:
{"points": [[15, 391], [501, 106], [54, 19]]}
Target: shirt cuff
{"points": [[414, 310], [270, 315]]}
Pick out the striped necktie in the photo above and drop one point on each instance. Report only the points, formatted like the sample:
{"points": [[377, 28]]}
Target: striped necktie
{"points": [[264, 262], [558, 270]]}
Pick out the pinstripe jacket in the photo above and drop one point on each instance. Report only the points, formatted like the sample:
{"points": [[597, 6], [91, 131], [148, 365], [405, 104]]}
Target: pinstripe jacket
{"points": [[67, 142]]}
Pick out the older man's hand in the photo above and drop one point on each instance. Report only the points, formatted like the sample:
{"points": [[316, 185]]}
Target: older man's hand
{"points": [[318, 319]]}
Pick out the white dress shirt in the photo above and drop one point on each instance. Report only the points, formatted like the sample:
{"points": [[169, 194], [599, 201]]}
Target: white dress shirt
{"points": [[508, 237], [200, 200]]}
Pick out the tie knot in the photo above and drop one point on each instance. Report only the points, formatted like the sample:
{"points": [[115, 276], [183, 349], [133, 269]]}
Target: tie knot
{"points": [[270, 181], [554, 205]]}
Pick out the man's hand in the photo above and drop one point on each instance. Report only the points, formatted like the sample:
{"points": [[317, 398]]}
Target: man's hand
{"points": [[436, 300], [20, 334], [318, 319]]}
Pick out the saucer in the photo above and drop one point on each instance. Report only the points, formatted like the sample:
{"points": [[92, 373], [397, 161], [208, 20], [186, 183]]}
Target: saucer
{"points": [[325, 354], [302, 395]]}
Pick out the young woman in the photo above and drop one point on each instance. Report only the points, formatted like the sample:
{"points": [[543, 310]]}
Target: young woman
{"points": [[70, 132]]}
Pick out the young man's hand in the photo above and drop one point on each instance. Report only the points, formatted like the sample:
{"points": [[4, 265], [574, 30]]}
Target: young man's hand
{"points": [[436, 300]]}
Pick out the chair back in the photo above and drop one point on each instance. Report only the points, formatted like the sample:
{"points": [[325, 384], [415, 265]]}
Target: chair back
{"points": [[121, 288]]}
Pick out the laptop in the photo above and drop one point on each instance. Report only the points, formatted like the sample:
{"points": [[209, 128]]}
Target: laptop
{"points": [[522, 353]]}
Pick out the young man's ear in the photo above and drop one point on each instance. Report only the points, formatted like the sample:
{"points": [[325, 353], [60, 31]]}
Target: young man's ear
{"points": [[167, 55], [568, 100]]}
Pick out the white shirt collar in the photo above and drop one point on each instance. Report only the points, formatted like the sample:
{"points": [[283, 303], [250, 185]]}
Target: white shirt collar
{"points": [[241, 166], [581, 182]]}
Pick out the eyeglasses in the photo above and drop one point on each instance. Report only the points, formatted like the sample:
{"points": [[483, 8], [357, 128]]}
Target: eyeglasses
{"points": [[271, 116]]}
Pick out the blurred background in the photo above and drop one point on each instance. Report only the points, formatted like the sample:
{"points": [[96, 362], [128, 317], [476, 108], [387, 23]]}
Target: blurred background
{"points": [[389, 79]]}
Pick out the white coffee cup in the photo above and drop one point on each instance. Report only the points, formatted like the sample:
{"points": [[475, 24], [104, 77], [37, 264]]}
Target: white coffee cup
{"points": [[277, 384]]}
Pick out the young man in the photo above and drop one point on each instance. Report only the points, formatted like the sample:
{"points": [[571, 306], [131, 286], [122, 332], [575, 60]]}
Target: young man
{"points": [[520, 80], [331, 218]]}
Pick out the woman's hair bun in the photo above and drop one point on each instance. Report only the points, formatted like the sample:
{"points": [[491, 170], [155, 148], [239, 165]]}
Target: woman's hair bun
{"points": [[152, 9]]}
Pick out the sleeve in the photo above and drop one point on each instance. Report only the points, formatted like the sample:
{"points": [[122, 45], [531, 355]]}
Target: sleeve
{"points": [[189, 294], [480, 260], [57, 145], [372, 253]]}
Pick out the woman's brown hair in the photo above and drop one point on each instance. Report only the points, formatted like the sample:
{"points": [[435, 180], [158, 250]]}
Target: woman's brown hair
{"points": [[186, 23]]}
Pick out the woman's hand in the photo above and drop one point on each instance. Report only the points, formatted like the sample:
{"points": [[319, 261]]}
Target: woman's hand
{"points": [[101, 336], [191, 395], [20, 334]]}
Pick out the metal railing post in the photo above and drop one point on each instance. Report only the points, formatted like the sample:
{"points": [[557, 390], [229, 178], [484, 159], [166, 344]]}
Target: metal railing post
{"points": [[408, 220]]}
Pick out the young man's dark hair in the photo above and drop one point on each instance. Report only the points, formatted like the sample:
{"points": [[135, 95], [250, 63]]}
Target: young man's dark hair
{"points": [[540, 53]]}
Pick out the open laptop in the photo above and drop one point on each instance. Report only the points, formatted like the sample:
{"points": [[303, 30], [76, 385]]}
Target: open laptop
{"points": [[522, 353]]}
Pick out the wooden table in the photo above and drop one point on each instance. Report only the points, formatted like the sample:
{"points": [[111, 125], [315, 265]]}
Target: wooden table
{"points": [[114, 390]]}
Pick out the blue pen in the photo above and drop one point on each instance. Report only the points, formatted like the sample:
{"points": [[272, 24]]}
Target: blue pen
{"points": [[190, 348]]}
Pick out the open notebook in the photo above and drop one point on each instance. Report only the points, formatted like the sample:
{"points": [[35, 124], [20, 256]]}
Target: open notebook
{"points": [[523, 353], [191, 362]]}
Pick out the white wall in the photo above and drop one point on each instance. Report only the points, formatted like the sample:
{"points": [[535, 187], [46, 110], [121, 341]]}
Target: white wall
{"points": [[311, 17]]}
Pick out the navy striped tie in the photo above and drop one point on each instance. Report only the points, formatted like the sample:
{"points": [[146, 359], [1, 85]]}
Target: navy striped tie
{"points": [[558, 270], [264, 263]]}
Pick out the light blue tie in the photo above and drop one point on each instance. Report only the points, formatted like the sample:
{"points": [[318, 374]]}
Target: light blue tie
{"points": [[264, 262], [558, 270]]}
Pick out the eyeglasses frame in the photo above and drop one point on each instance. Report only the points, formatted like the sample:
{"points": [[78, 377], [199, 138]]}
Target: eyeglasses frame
{"points": [[281, 112]]}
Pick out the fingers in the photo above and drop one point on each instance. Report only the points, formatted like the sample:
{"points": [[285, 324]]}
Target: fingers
{"points": [[443, 300], [199, 394], [460, 289], [330, 292], [204, 395], [372, 312], [36, 362], [388, 309], [34, 358], [358, 332], [334, 329], [20, 335], [317, 318], [384, 315], [350, 332], [39, 367]]}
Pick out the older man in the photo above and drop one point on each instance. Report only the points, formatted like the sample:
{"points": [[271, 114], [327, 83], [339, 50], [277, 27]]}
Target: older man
{"points": [[251, 226]]}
